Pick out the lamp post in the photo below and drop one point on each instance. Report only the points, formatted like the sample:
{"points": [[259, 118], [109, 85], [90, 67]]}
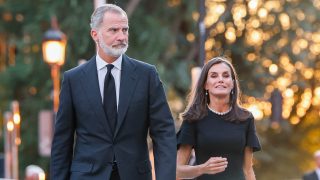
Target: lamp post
{"points": [[53, 48], [196, 71], [12, 141], [202, 32]]}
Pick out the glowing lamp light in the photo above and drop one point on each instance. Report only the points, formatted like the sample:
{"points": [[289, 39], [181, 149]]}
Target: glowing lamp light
{"points": [[54, 50], [16, 118], [42, 176], [17, 141], [54, 47], [10, 126]]}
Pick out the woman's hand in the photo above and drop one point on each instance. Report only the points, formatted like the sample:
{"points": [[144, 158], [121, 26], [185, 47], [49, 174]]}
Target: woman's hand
{"points": [[214, 165]]}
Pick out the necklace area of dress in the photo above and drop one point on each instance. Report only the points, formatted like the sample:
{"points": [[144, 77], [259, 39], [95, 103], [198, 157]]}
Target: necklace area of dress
{"points": [[220, 113]]}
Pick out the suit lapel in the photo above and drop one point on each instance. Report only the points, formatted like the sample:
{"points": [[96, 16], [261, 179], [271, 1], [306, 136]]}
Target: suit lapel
{"points": [[127, 85], [90, 83]]}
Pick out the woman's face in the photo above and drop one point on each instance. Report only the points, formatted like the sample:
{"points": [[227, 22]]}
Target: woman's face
{"points": [[219, 80]]}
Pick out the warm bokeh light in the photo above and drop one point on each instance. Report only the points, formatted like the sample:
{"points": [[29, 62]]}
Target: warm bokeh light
{"points": [[17, 141], [301, 112], [315, 48], [214, 11], [283, 83], [263, 13], [209, 44], [288, 60], [285, 21], [273, 69], [195, 16], [282, 42], [256, 112], [269, 88], [317, 91], [316, 37], [316, 101], [286, 113], [239, 11], [54, 52], [251, 57], [230, 35], [255, 37], [294, 120], [302, 43], [253, 5], [16, 118], [42, 176], [308, 73], [220, 27], [288, 93], [275, 125], [10, 126], [266, 63], [173, 3], [190, 37]]}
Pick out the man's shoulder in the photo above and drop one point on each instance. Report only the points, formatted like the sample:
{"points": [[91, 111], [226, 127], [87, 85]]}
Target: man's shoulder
{"points": [[77, 69], [140, 63], [309, 175]]}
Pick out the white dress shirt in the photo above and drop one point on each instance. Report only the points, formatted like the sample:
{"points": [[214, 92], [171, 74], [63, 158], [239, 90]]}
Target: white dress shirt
{"points": [[116, 73], [318, 172]]}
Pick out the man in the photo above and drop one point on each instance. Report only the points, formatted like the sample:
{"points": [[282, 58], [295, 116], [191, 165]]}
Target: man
{"points": [[314, 175], [111, 114]]}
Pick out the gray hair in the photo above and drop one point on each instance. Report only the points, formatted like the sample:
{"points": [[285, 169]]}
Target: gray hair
{"points": [[98, 14]]}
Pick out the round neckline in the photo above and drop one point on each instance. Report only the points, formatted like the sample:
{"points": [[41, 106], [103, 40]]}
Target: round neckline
{"points": [[219, 113]]}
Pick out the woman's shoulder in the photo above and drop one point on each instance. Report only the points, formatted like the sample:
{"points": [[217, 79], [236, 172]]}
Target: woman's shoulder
{"points": [[241, 114]]}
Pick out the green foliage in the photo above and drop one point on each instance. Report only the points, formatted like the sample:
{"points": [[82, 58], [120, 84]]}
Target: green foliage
{"points": [[153, 39], [158, 35]]}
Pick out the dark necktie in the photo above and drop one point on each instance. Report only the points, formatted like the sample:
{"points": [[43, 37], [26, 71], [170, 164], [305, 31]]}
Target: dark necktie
{"points": [[109, 99]]}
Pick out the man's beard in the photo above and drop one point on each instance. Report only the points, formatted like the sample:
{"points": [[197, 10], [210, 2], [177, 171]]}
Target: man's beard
{"points": [[114, 52]]}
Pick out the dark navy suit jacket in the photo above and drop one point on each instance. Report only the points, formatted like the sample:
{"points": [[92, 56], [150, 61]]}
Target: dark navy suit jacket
{"points": [[311, 176], [83, 146]]}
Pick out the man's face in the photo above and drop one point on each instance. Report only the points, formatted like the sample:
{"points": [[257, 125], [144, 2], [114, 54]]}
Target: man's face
{"points": [[112, 35]]}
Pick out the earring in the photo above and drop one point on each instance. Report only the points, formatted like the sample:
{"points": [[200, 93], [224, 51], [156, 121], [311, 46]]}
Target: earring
{"points": [[231, 91], [206, 92]]}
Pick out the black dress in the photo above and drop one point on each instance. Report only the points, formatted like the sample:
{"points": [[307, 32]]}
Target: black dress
{"points": [[213, 136]]}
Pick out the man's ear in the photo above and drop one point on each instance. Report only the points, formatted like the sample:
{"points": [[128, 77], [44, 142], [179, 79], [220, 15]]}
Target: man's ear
{"points": [[94, 35]]}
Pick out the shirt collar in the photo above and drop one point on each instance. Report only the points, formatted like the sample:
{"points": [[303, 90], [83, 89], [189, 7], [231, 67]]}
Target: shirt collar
{"points": [[102, 64]]}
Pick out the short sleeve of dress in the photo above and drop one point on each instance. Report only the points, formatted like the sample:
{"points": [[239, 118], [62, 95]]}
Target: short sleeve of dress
{"points": [[252, 138], [186, 134]]}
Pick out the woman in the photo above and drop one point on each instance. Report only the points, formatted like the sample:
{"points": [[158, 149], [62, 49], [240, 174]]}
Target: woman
{"points": [[219, 130]]}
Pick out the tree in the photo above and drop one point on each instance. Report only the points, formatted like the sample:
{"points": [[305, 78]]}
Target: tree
{"points": [[273, 44]]}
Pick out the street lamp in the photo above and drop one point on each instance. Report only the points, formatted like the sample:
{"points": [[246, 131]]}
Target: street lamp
{"points": [[53, 48], [12, 141]]}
